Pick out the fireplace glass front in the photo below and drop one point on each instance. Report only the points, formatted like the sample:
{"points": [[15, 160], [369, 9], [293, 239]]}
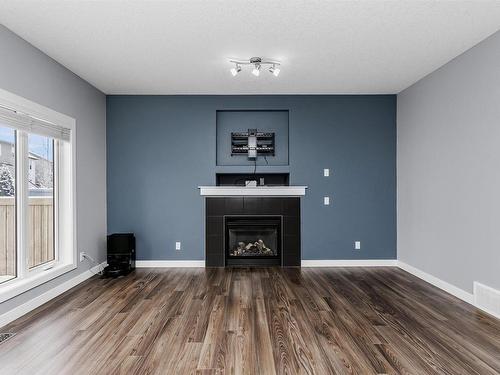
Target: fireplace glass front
{"points": [[253, 240]]}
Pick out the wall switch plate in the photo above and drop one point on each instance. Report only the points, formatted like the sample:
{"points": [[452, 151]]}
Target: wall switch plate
{"points": [[326, 201], [177, 245], [357, 245], [326, 172]]}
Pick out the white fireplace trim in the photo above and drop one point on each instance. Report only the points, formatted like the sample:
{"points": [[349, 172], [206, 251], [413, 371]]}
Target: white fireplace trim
{"points": [[262, 191]]}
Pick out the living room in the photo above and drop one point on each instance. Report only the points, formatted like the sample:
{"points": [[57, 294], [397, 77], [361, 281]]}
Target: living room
{"points": [[249, 187]]}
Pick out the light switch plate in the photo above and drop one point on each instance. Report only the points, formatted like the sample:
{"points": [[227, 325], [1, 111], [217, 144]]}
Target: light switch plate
{"points": [[326, 172], [357, 245], [326, 201], [177, 246]]}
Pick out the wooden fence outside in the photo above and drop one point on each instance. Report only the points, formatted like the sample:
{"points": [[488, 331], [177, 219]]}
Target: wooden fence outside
{"points": [[40, 233]]}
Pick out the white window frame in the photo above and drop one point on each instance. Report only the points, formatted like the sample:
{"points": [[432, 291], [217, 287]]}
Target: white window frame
{"points": [[65, 240], [22, 168]]}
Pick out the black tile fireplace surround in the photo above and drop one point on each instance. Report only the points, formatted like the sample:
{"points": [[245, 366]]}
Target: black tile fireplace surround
{"points": [[252, 231]]}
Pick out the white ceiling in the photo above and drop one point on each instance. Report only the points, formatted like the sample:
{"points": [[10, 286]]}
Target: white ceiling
{"points": [[183, 47]]}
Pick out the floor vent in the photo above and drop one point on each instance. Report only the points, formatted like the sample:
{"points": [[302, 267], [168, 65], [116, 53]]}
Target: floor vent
{"points": [[5, 336], [487, 298]]}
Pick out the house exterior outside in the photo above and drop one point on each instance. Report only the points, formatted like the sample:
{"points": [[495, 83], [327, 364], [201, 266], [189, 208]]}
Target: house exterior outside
{"points": [[40, 172]]}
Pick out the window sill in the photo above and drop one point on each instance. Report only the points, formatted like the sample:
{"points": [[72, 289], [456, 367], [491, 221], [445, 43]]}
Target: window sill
{"points": [[15, 287]]}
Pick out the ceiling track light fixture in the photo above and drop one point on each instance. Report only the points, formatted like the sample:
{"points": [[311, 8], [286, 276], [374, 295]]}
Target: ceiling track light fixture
{"points": [[257, 62]]}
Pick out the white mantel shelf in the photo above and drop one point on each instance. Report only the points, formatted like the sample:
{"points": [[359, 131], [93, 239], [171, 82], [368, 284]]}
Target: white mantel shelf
{"points": [[261, 191]]}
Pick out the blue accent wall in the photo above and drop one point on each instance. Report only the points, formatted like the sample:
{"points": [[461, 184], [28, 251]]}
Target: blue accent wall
{"points": [[161, 148]]}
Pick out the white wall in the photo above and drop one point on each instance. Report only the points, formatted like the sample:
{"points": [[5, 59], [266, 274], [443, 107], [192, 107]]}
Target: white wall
{"points": [[26, 71], [448, 166]]}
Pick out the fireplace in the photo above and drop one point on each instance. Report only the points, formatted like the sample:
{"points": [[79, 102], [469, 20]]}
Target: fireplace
{"points": [[274, 220], [252, 240]]}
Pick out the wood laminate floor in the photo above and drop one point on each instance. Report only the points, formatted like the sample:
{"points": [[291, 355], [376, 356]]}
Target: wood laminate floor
{"points": [[254, 321]]}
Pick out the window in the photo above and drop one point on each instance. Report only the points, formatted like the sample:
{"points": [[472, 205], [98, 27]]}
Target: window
{"points": [[8, 254], [37, 231], [40, 200]]}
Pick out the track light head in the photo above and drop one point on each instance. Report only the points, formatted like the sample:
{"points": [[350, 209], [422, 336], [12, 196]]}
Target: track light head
{"points": [[275, 71], [256, 70], [234, 71]]}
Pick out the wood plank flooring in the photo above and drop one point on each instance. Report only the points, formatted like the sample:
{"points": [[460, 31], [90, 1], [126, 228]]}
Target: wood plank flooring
{"points": [[254, 321]]}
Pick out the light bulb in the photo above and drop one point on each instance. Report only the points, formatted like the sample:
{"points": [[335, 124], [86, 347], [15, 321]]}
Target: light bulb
{"points": [[256, 70], [274, 70]]}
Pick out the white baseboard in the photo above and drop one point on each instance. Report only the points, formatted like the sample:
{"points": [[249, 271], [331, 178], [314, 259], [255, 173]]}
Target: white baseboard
{"points": [[32, 304], [169, 263], [441, 284], [487, 298], [350, 263]]}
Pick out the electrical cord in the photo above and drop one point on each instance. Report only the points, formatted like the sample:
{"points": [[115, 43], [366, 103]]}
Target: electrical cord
{"points": [[254, 171], [91, 261]]}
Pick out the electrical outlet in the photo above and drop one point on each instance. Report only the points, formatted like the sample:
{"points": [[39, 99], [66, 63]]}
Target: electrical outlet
{"points": [[177, 245], [82, 256], [357, 245], [326, 201], [326, 172]]}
